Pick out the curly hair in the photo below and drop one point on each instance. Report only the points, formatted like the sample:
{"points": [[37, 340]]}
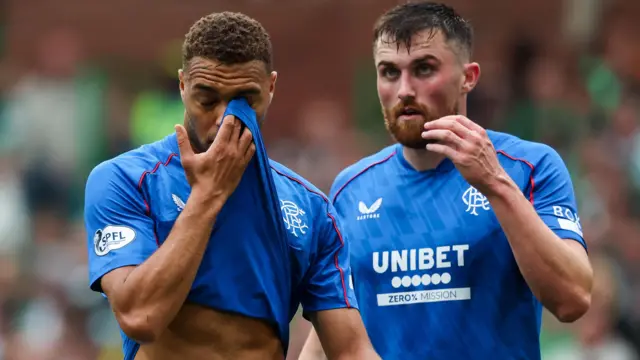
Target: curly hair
{"points": [[228, 37], [402, 22]]}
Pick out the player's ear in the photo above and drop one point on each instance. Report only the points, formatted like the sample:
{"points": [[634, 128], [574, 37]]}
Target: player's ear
{"points": [[272, 85], [181, 77], [471, 75]]}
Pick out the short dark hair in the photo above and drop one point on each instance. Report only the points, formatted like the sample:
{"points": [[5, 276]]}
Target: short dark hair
{"points": [[228, 37], [403, 22]]}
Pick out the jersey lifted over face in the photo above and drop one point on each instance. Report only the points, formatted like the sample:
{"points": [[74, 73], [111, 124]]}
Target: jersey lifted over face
{"points": [[434, 274], [133, 200]]}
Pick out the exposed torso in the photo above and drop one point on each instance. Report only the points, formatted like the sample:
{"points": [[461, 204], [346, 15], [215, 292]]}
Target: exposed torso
{"points": [[198, 332], [251, 276]]}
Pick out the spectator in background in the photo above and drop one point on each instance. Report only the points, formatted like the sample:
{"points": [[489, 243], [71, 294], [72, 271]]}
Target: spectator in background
{"points": [[54, 115], [52, 132], [607, 186], [323, 144], [155, 109]]}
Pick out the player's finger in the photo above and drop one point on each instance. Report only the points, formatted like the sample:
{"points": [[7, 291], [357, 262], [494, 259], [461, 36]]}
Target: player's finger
{"points": [[184, 146], [469, 124], [449, 123], [237, 127], [226, 130], [251, 150], [445, 150], [246, 139], [443, 136]]}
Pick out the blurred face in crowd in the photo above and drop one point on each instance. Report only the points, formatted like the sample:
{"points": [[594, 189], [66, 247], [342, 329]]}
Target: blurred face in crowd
{"points": [[208, 86], [422, 82]]}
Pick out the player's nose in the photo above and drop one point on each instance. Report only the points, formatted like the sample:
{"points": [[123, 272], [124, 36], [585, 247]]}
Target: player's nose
{"points": [[219, 116], [219, 121], [406, 89]]}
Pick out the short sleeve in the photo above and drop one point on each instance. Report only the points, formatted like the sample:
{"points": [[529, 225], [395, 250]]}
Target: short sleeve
{"points": [[337, 185], [119, 231], [329, 283], [554, 199]]}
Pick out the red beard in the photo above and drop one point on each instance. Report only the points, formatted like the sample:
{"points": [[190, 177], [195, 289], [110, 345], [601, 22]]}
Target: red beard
{"points": [[409, 132]]}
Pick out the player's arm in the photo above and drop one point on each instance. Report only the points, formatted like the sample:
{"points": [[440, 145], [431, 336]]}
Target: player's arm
{"points": [[338, 334], [145, 285], [312, 349], [557, 271], [329, 300], [546, 237]]}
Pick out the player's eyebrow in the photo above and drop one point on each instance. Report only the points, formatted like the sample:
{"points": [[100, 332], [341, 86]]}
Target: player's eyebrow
{"points": [[203, 87], [386, 63], [249, 91], [421, 59], [425, 58]]}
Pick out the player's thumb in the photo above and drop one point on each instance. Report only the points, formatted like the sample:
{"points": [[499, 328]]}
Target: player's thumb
{"points": [[184, 146]]}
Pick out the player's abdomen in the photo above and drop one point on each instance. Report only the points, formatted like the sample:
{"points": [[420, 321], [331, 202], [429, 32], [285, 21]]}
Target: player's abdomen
{"points": [[203, 333]]}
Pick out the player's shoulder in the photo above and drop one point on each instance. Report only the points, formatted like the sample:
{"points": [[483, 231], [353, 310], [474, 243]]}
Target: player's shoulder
{"points": [[289, 183], [126, 169], [364, 166], [532, 154]]}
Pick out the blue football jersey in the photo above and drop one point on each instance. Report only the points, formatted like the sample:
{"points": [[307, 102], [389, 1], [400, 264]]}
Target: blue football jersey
{"points": [[433, 272], [133, 200]]}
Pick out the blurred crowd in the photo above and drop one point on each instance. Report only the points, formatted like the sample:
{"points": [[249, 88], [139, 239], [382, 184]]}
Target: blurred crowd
{"points": [[65, 112]]}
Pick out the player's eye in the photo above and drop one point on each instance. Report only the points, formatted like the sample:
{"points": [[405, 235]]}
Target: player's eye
{"points": [[207, 103], [390, 73], [423, 70], [251, 96], [251, 99]]}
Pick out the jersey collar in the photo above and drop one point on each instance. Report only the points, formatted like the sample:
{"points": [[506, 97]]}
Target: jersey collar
{"points": [[445, 165]]}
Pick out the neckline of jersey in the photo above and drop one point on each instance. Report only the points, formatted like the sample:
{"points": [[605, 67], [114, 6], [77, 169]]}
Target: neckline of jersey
{"points": [[444, 166], [172, 142]]}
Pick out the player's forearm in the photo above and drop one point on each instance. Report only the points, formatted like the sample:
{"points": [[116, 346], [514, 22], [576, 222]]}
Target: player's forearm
{"points": [[559, 279], [358, 349], [312, 354], [154, 292], [362, 352], [341, 335], [312, 349]]}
